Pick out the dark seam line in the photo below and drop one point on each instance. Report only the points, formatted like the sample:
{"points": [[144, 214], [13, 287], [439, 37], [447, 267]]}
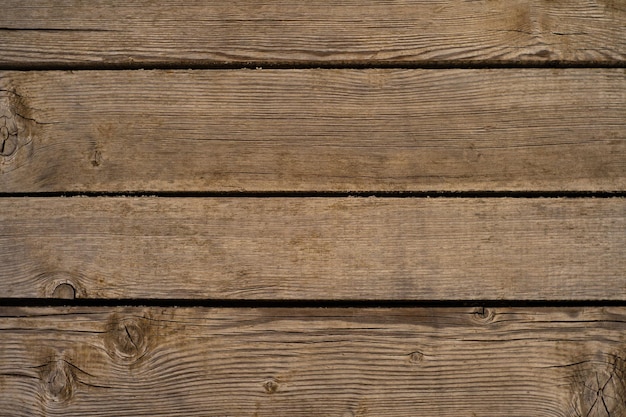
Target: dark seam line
{"points": [[287, 65], [221, 303], [324, 194]]}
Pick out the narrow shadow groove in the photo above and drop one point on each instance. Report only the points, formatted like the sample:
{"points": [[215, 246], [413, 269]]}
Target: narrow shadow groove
{"points": [[291, 65], [221, 303], [326, 194]]}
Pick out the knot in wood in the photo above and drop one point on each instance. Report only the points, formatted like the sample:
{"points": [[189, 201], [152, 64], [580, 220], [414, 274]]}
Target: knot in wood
{"points": [[16, 128], [61, 284], [8, 135], [58, 380], [271, 386], [416, 357], [598, 384], [127, 338], [64, 291], [484, 315]]}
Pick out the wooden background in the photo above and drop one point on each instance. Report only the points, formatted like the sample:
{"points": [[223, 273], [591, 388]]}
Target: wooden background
{"points": [[323, 208]]}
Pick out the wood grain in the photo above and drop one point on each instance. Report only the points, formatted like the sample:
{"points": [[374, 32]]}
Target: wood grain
{"points": [[343, 32], [313, 362], [314, 130], [314, 248]]}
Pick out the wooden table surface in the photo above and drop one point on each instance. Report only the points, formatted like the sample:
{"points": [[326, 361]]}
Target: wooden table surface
{"points": [[323, 208]]}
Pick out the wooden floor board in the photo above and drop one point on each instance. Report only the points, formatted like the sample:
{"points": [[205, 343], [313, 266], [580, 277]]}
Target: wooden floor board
{"points": [[515, 362], [210, 262], [314, 130], [314, 248], [347, 32]]}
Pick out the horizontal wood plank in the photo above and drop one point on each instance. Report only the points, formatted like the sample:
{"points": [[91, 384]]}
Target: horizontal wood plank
{"points": [[313, 362], [195, 32], [313, 130], [314, 248]]}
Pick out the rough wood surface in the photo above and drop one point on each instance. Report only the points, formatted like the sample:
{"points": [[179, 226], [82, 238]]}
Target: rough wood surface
{"points": [[314, 248], [317, 31], [313, 130], [313, 362]]}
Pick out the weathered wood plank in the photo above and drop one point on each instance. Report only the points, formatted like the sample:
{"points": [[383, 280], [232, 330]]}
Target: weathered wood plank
{"points": [[314, 248], [318, 31], [313, 362], [314, 130]]}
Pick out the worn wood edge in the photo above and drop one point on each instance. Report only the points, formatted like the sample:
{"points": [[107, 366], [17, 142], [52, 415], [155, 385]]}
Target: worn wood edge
{"points": [[313, 248], [199, 33], [331, 362], [314, 131]]}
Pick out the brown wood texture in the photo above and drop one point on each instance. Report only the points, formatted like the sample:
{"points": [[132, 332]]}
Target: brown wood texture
{"points": [[515, 362], [188, 32], [314, 130], [314, 248], [233, 228]]}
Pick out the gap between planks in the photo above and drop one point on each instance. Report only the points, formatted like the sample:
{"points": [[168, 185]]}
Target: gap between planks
{"points": [[287, 66], [329, 194], [71, 301]]}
